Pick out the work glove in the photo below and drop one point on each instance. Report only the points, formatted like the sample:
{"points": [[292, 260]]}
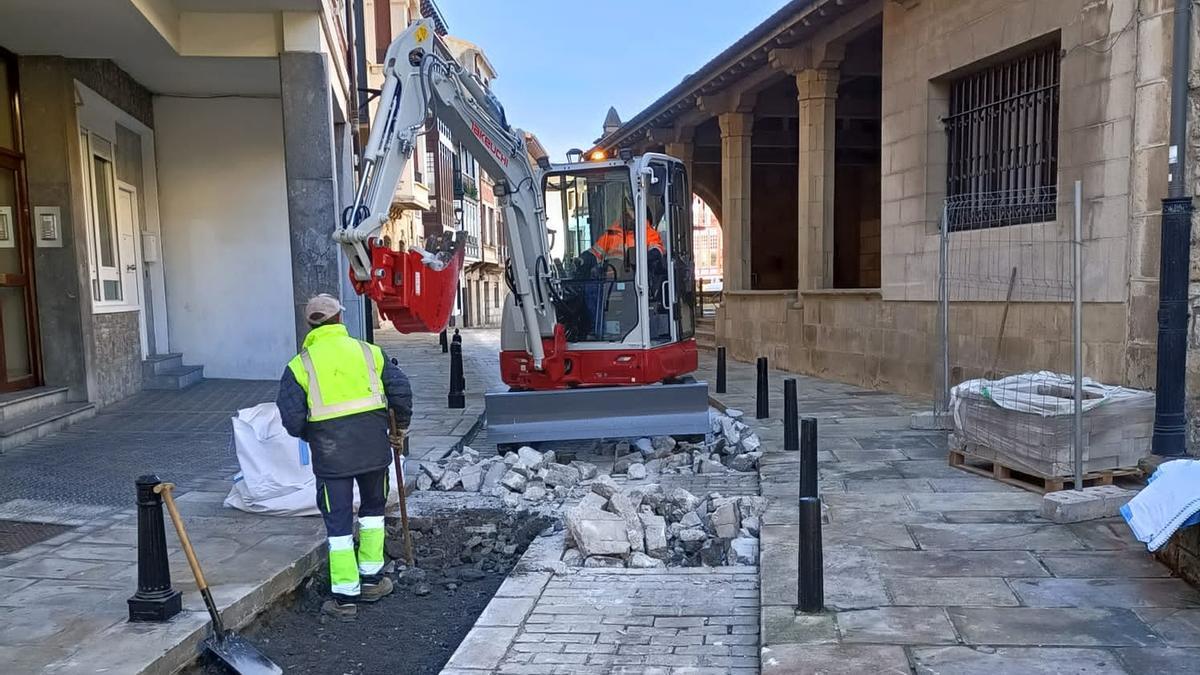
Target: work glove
{"points": [[397, 440]]}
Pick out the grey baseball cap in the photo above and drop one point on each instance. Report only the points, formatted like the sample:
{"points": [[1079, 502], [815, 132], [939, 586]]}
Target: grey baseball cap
{"points": [[321, 308]]}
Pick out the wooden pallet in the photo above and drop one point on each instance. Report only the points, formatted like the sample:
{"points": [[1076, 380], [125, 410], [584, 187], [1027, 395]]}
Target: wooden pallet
{"points": [[990, 468]]}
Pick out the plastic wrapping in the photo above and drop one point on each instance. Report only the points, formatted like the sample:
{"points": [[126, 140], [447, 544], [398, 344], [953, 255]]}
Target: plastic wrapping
{"points": [[1024, 422]]}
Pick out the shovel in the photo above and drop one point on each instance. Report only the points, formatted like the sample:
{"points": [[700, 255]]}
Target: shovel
{"points": [[232, 650], [398, 451]]}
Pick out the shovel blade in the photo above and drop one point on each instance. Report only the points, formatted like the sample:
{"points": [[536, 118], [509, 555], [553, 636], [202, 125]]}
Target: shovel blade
{"points": [[241, 657]]}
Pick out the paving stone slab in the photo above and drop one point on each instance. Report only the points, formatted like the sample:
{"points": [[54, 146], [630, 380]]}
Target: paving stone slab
{"points": [[505, 612], [977, 501], [959, 564], [884, 485], [523, 585], [852, 579], [798, 659], [1179, 627], [1159, 661], [993, 537], [1009, 517], [1104, 564], [483, 647], [896, 625], [928, 468], [838, 516], [783, 625], [871, 534], [1025, 626], [1106, 536], [1106, 593], [1015, 661], [970, 484], [950, 592]]}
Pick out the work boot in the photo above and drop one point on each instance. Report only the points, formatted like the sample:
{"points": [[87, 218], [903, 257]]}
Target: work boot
{"points": [[374, 591], [340, 609]]}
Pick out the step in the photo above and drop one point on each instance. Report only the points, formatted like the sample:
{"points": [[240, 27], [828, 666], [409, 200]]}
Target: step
{"points": [[180, 377], [18, 403], [160, 363], [21, 429]]}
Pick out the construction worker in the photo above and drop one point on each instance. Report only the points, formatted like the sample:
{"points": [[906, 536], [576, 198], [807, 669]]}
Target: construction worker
{"points": [[616, 240], [335, 394]]}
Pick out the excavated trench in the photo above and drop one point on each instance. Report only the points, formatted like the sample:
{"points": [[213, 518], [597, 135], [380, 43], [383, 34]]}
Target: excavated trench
{"points": [[462, 558]]}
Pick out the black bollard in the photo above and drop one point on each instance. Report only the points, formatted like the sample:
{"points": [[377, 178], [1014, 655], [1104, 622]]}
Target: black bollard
{"points": [[808, 457], [720, 370], [443, 341], [811, 571], [811, 576], [763, 408], [457, 397], [791, 420], [457, 336], [155, 600]]}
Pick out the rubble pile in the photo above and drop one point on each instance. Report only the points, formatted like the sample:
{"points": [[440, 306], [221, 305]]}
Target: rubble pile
{"points": [[731, 446], [645, 526], [523, 476]]}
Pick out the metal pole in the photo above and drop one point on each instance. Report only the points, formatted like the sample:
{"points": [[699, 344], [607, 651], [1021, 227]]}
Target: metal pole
{"points": [[763, 407], [457, 398], [442, 340], [810, 581], [154, 600], [720, 370], [942, 404], [791, 421], [1170, 414], [1077, 333]]}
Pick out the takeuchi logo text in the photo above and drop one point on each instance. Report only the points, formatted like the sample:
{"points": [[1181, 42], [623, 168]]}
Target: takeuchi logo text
{"points": [[487, 143]]}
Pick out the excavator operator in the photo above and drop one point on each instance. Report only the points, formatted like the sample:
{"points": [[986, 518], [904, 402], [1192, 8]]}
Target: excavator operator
{"points": [[611, 247]]}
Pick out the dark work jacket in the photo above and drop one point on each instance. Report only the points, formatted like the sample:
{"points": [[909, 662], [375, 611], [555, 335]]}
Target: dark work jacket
{"points": [[350, 445]]}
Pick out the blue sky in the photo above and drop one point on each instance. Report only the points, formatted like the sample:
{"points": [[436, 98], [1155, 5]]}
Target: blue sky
{"points": [[561, 64]]}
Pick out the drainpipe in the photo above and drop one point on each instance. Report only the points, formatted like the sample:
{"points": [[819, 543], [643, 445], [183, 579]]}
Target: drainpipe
{"points": [[356, 62], [1170, 413]]}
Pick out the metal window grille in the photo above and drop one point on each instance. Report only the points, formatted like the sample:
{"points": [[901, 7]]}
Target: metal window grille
{"points": [[1002, 134]]}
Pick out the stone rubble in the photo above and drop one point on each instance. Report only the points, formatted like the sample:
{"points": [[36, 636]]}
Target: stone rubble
{"points": [[519, 478], [644, 526], [731, 446]]}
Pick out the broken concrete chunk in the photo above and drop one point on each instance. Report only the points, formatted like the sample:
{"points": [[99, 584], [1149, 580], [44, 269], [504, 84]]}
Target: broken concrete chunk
{"points": [[471, 477], [692, 539], [712, 553], [724, 520], [470, 455], [622, 448], [640, 560], [433, 471], [514, 481], [449, 480], [644, 446], [690, 519], [752, 525], [512, 500], [750, 443], [535, 493], [710, 466], [744, 551], [663, 446], [637, 471], [529, 458], [593, 501], [603, 561], [598, 532], [511, 458], [653, 466], [572, 557], [623, 463], [751, 506], [655, 534], [605, 486], [731, 431], [424, 482], [491, 478], [622, 505], [557, 474], [745, 462], [586, 471]]}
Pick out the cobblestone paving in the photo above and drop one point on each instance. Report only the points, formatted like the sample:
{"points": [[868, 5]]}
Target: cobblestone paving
{"points": [[597, 621], [932, 570]]}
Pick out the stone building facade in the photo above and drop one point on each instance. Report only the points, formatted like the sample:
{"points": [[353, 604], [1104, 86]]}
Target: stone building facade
{"points": [[821, 140]]}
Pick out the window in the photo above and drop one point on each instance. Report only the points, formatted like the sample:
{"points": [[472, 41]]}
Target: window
{"points": [[1002, 139], [496, 295], [111, 217]]}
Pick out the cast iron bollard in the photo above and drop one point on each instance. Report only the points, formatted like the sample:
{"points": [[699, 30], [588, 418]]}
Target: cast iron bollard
{"points": [[811, 573], [763, 409], [442, 340], [720, 370], [457, 336], [457, 397], [155, 600], [791, 420]]}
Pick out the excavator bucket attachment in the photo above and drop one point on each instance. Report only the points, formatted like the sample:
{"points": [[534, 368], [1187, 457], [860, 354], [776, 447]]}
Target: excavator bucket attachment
{"points": [[412, 293], [597, 412]]}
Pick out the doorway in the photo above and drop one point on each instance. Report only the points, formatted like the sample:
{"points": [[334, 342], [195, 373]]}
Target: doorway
{"points": [[20, 367]]}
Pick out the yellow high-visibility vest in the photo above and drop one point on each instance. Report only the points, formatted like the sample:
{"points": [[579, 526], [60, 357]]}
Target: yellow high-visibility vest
{"points": [[341, 375]]}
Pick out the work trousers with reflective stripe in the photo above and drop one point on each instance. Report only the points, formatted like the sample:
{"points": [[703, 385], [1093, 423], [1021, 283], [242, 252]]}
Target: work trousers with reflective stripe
{"points": [[335, 499]]}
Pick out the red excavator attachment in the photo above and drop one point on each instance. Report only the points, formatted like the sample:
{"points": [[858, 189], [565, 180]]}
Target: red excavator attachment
{"points": [[412, 295]]}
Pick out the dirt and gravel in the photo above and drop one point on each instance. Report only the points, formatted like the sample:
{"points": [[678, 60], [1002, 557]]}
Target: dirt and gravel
{"points": [[462, 558]]}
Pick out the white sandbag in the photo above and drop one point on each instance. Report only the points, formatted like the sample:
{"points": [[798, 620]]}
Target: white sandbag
{"points": [[276, 476]]}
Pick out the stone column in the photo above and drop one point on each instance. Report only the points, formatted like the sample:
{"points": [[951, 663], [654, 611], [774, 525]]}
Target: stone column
{"points": [[816, 91], [310, 171], [684, 152], [736, 128]]}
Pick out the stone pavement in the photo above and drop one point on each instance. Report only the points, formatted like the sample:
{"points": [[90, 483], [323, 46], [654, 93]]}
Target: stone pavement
{"points": [[929, 569], [63, 600]]}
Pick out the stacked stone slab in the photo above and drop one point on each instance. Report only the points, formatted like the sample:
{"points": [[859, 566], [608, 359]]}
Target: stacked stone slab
{"points": [[519, 477], [731, 446], [645, 526]]}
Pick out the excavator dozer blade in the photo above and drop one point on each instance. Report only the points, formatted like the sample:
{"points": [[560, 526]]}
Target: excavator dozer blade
{"points": [[597, 412]]}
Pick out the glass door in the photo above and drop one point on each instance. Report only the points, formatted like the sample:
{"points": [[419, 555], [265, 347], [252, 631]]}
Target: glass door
{"points": [[19, 367], [670, 265], [683, 260]]}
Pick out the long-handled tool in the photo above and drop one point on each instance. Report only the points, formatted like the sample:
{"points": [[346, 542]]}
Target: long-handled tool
{"points": [[234, 651], [397, 437]]}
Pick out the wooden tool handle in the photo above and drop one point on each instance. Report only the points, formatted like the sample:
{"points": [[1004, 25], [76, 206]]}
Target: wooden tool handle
{"points": [[164, 489]]}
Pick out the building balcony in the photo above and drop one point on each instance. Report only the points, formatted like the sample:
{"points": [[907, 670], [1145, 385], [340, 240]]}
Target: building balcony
{"points": [[411, 196]]}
